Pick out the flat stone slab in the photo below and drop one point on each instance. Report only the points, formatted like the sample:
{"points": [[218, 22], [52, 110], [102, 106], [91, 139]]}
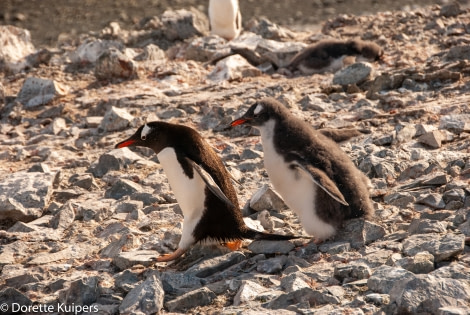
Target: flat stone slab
{"points": [[23, 195]]}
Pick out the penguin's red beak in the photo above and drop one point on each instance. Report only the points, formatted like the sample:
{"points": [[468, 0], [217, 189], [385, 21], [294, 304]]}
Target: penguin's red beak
{"points": [[125, 143], [237, 122]]}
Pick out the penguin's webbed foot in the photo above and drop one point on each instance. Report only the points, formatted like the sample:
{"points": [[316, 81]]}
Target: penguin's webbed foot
{"points": [[169, 257], [234, 245]]}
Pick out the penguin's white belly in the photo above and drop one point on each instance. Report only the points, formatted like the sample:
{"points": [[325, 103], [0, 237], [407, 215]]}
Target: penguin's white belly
{"points": [[296, 188], [223, 15], [189, 192]]}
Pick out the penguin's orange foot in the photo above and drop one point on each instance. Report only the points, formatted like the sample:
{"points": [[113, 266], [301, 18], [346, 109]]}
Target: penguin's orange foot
{"points": [[169, 257], [234, 245], [317, 241]]}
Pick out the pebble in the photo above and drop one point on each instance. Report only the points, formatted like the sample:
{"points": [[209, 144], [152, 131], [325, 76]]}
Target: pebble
{"points": [[145, 298], [38, 91], [199, 297], [353, 74]]}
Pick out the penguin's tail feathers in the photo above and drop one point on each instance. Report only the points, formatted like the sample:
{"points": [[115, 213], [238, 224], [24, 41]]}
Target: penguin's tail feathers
{"points": [[256, 235]]}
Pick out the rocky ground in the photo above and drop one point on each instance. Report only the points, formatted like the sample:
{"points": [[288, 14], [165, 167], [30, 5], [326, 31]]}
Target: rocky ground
{"points": [[82, 222]]}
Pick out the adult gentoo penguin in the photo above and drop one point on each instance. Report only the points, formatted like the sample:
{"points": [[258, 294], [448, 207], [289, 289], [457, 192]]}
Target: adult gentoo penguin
{"points": [[201, 184], [316, 179], [225, 18], [331, 55]]}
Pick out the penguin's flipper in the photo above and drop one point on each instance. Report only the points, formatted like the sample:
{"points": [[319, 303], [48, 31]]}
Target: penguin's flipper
{"points": [[211, 184], [321, 179]]}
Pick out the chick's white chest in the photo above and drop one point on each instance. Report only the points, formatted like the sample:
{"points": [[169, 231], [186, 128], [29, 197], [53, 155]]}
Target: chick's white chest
{"points": [[295, 187]]}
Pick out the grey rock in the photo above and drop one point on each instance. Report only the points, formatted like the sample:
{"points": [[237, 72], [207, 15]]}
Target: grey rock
{"points": [[359, 232], [422, 262], [231, 68], [177, 283], [126, 280], [384, 278], [442, 247], [249, 154], [248, 291], [185, 302], [75, 251], [81, 292], [272, 265], [432, 200], [90, 50], [121, 188], [335, 247], [20, 280], [312, 102], [38, 91], [269, 30], [266, 221], [457, 123], [183, 24], [84, 181], [458, 52], [206, 48], [451, 9], [152, 53], [432, 139], [352, 272], [127, 206], [426, 294], [40, 167], [21, 227], [399, 199], [377, 299], [145, 298], [56, 126], [17, 45], [24, 195], [295, 281], [113, 249], [126, 260], [172, 113], [454, 195], [271, 247], [113, 64], [97, 210], [422, 226], [452, 310], [116, 159], [306, 295], [9, 296], [453, 271], [278, 53], [384, 140], [116, 119], [404, 133], [64, 217], [211, 266], [353, 74], [266, 199]]}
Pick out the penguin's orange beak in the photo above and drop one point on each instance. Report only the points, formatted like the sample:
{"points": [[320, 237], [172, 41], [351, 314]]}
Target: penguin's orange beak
{"points": [[125, 143], [237, 122]]}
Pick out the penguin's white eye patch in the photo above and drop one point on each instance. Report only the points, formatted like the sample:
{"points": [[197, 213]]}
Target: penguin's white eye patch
{"points": [[258, 109], [145, 131]]}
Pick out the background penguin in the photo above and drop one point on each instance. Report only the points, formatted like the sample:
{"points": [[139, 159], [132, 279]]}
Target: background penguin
{"points": [[225, 18], [316, 179], [201, 184], [329, 55]]}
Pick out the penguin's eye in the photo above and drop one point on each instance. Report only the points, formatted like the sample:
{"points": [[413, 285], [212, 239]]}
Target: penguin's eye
{"points": [[143, 137]]}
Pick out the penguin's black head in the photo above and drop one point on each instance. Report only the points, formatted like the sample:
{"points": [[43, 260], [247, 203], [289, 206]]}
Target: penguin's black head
{"points": [[260, 112], [153, 135]]}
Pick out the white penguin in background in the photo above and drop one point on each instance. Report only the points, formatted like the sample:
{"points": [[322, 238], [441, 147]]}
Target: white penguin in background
{"points": [[225, 18]]}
